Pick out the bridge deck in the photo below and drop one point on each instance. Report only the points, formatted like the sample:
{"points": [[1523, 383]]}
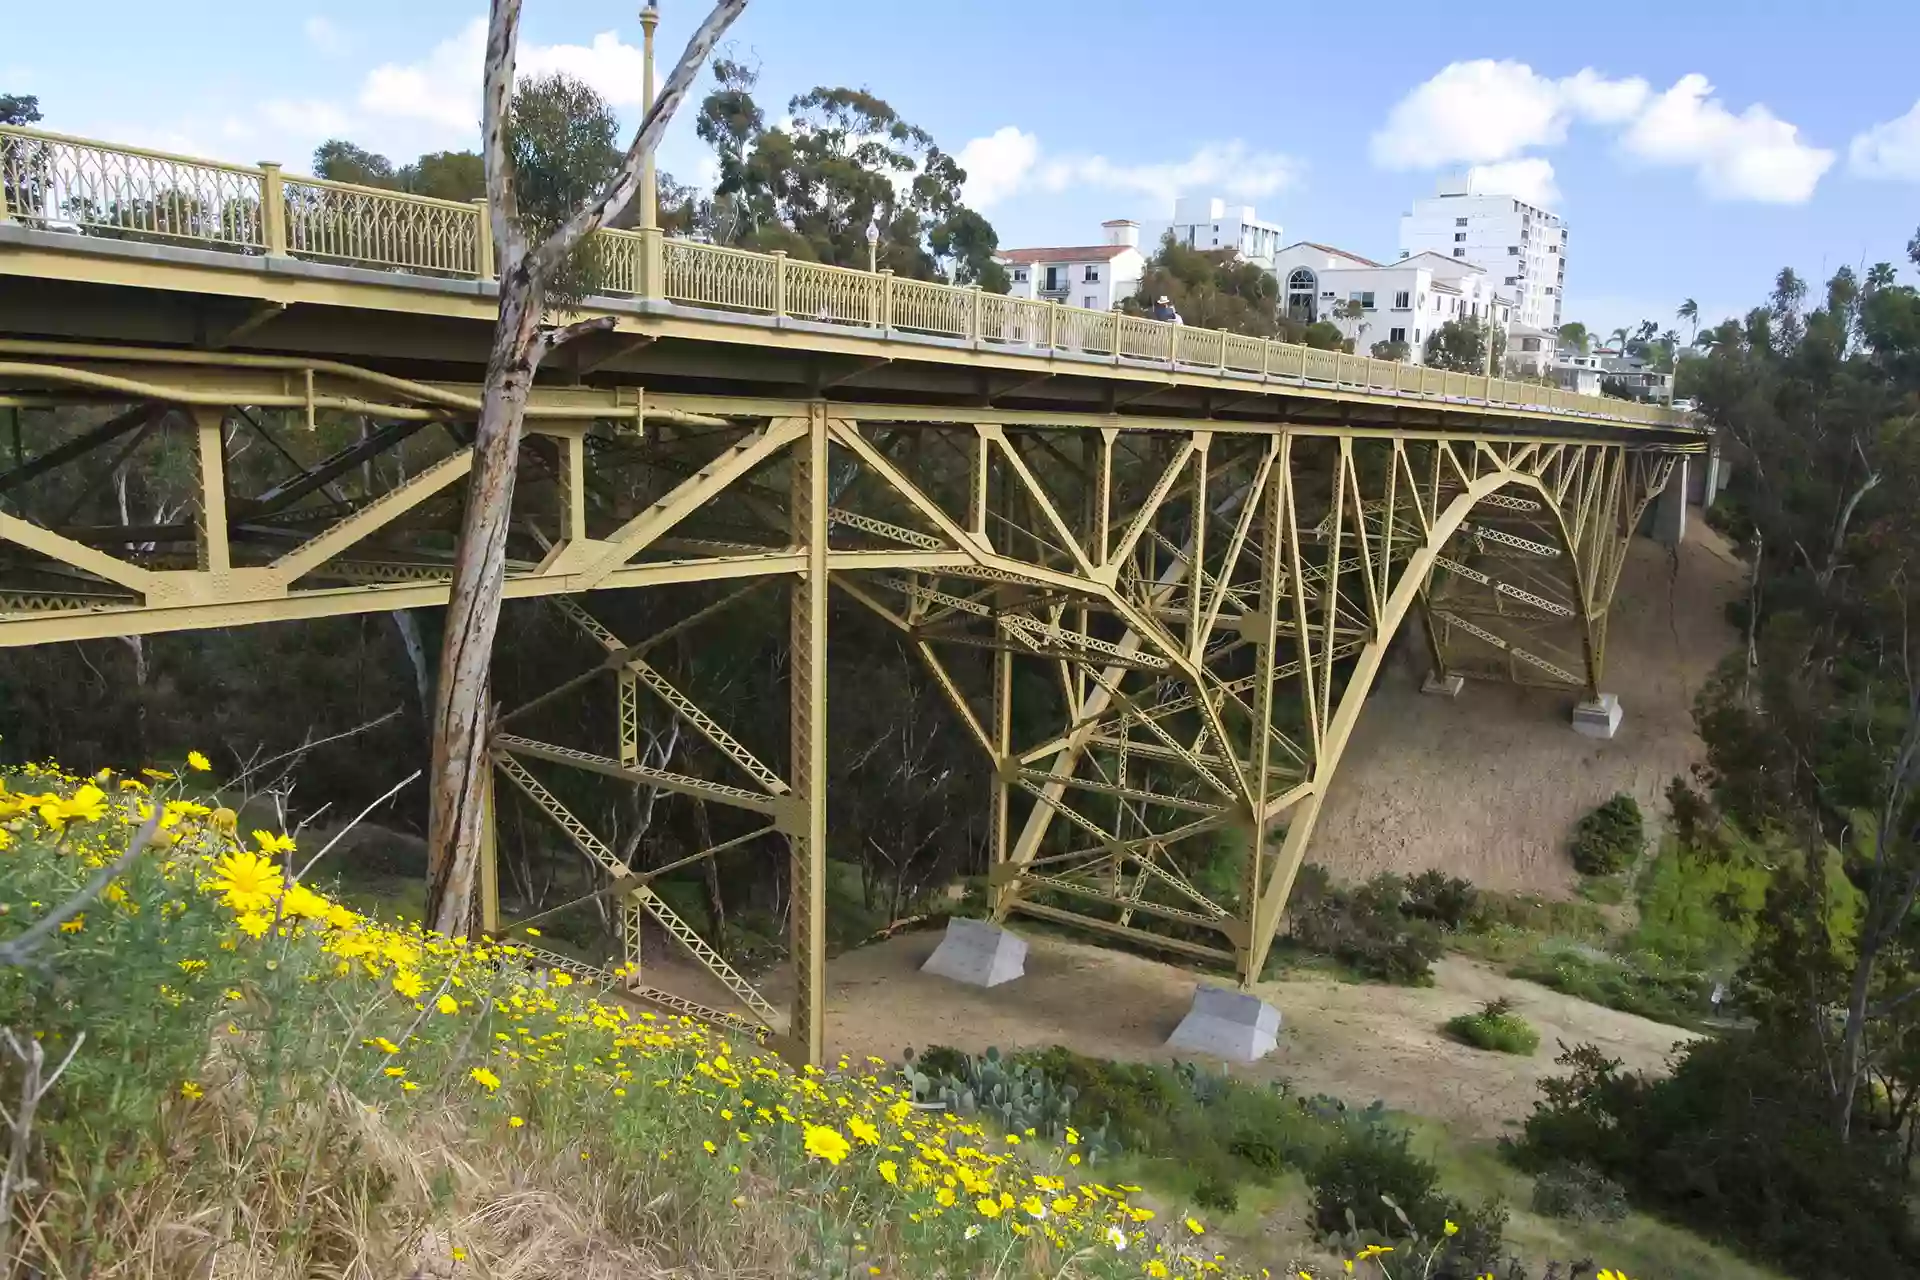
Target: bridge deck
{"points": [[100, 243]]}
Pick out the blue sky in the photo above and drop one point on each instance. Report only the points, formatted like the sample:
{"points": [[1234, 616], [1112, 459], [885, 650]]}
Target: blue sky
{"points": [[1694, 148]]}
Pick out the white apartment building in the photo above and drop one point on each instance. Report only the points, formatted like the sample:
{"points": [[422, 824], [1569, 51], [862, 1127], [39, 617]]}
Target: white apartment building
{"points": [[1523, 246], [1095, 276], [1203, 223], [1402, 302]]}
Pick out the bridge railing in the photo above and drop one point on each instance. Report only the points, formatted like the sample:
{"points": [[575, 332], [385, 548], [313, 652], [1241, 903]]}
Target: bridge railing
{"points": [[53, 181]]}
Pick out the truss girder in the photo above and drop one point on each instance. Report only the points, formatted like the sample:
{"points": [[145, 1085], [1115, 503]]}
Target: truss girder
{"points": [[1191, 610]]}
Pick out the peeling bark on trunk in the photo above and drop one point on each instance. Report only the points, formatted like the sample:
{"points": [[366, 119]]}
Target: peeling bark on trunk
{"points": [[462, 702]]}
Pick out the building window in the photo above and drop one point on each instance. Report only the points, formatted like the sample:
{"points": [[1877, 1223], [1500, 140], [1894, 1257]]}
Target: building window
{"points": [[1364, 299], [1549, 291], [1093, 275], [1396, 335], [1459, 222], [1090, 302], [1019, 275], [1301, 286], [1402, 300], [1459, 237], [1055, 280], [1513, 279], [1459, 253], [1513, 251]]}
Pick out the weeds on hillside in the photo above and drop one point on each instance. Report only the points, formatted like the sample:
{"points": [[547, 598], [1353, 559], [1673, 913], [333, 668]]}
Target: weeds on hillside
{"points": [[263, 1082], [1495, 1027]]}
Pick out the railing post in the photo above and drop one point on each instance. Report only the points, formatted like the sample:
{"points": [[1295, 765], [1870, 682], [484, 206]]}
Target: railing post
{"points": [[483, 268], [1266, 358], [1173, 346], [973, 323], [273, 210], [886, 302], [653, 263], [779, 283], [1053, 326], [1113, 322]]}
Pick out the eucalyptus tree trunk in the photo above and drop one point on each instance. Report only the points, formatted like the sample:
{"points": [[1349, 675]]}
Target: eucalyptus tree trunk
{"points": [[521, 339]]}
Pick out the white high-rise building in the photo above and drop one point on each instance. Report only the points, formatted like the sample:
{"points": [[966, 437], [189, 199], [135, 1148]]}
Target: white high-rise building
{"points": [[1523, 247], [1203, 223]]}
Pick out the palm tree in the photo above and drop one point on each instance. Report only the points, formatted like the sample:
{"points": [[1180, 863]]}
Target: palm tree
{"points": [[1690, 312], [1620, 337]]}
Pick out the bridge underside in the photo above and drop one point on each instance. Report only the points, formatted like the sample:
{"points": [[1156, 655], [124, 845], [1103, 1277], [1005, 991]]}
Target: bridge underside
{"points": [[1158, 629]]}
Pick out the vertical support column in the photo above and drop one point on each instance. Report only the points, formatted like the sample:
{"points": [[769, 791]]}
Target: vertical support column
{"points": [[779, 284], [633, 919], [977, 491], [629, 717], [1003, 762], [273, 211], [489, 857], [1197, 569], [573, 487], [807, 835], [1271, 580], [211, 549], [652, 252]]}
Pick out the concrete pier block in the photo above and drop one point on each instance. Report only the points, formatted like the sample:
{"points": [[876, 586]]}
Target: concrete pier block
{"points": [[1227, 1024], [1447, 686], [978, 953], [1670, 509], [1599, 718]]}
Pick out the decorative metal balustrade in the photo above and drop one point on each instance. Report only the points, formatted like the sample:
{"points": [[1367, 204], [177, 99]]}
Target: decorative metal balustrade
{"points": [[55, 182]]}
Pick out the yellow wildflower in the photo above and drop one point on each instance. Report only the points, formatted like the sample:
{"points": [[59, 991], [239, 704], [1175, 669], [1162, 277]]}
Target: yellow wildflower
{"points": [[75, 925], [890, 1172], [197, 762], [514, 1122], [824, 1142], [447, 1004], [253, 923], [246, 881], [485, 1079], [988, 1208], [189, 1090], [1156, 1268], [409, 984], [1195, 1227]]}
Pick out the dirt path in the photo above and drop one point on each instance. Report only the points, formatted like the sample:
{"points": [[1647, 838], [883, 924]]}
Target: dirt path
{"points": [[1488, 785], [1356, 1042]]}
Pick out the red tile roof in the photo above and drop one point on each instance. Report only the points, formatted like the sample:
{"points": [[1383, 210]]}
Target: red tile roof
{"points": [[1071, 253], [1327, 248]]}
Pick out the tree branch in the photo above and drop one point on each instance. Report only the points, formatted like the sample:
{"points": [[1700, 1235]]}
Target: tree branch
{"points": [[646, 138], [503, 199], [554, 337]]}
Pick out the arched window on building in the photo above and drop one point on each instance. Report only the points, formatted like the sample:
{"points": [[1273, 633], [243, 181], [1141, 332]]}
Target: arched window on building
{"points": [[1302, 295]]}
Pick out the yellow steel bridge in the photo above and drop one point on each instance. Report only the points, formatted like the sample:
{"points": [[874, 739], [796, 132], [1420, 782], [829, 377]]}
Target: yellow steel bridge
{"points": [[1187, 549]]}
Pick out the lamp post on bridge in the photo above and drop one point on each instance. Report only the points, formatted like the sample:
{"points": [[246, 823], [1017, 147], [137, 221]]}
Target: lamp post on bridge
{"points": [[649, 186], [873, 246]]}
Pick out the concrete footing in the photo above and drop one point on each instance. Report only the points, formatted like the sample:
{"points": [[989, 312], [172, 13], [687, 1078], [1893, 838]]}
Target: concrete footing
{"points": [[1227, 1024], [1447, 686], [1599, 718], [978, 953]]}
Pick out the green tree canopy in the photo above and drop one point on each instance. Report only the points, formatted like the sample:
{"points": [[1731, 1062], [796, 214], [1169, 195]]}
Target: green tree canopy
{"points": [[843, 160], [19, 108], [1461, 346], [1574, 336], [1211, 288]]}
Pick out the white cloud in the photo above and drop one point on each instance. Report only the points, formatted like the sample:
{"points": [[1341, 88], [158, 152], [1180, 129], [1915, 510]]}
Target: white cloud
{"points": [[324, 36], [1530, 178], [998, 165], [1889, 150], [1482, 111], [1751, 156], [1010, 160], [612, 67], [442, 89], [1488, 113], [306, 118]]}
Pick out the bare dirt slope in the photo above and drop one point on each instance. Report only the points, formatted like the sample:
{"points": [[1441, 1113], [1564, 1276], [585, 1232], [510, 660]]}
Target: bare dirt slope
{"points": [[1356, 1042], [1489, 785]]}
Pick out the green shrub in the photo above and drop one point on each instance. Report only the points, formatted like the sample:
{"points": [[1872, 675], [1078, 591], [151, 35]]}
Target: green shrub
{"points": [[1365, 928], [1495, 1027], [1608, 840], [1370, 1185], [1578, 1193], [1447, 901], [1736, 1143], [1638, 983]]}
